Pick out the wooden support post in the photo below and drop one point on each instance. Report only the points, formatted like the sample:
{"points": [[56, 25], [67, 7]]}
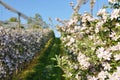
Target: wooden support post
{"points": [[19, 21], [92, 11], [92, 5]]}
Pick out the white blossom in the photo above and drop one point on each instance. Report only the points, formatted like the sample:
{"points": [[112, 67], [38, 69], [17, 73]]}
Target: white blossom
{"points": [[96, 30], [117, 24], [91, 78], [112, 1], [115, 75], [102, 75], [83, 60], [101, 12], [116, 47], [106, 66], [78, 77], [115, 14], [72, 21], [103, 54], [112, 35], [72, 40], [117, 57], [98, 26]]}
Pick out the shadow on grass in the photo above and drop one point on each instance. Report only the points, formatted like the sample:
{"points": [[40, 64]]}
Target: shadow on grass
{"points": [[45, 68]]}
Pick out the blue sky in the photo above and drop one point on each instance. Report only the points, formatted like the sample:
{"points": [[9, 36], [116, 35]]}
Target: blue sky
{"points": [[46, 8]]}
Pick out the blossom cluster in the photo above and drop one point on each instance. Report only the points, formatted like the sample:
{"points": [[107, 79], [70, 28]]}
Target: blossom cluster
{"points": [[93, 45], [113, 1], [18, 48]]}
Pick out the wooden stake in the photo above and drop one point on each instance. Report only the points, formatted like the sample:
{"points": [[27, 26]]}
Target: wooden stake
{"points": [[19, 21]]}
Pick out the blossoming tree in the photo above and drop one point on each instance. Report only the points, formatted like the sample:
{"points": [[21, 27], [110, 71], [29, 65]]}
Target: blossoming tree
{"points": [[91, 45]]}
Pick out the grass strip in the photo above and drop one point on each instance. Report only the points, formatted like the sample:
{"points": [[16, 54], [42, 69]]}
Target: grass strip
{"points": [[43, 67]]}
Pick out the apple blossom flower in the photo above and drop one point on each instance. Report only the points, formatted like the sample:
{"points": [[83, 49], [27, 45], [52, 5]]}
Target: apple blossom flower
{"points": [[102, 75], [103, 54], [78, 77], [97, 30], [98, 26], [87, 17], [117, 24], [117, 57], [115, 75], [118, 68], [116, 47], [72, 21], [91, 78], [83, 61], [112, 35], [101, 12], [72, 40], [106, 66], [112, 1], [115, 14]]}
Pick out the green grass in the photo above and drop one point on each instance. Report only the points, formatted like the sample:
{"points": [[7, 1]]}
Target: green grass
{"points": [[43, 67]]}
